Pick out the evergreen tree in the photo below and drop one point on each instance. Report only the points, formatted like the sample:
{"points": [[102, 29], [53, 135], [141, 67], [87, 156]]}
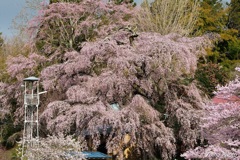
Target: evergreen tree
{"points": [[212, 17], [234, 15]]}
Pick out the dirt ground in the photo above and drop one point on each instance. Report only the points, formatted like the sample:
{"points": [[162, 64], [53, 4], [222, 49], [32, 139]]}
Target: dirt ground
{"points": [[5, 155]]}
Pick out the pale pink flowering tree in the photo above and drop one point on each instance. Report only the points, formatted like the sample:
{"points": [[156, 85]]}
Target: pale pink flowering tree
{"points": [[221, 126], [21, 66], [66, 25], [149, 78], [18, 68], [145, 78], [11, 92], [3, 100], [138, 119], [56, 147]]}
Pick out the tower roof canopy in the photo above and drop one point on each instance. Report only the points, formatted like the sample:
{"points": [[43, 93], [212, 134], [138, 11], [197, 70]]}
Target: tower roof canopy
{"points": [[31, 79]]}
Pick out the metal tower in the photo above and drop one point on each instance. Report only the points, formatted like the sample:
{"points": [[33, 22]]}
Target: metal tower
{"points": [[31, 103]]}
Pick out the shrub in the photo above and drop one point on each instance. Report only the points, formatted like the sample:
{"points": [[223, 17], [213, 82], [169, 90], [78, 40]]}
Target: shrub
{"points": [[209, 75]]}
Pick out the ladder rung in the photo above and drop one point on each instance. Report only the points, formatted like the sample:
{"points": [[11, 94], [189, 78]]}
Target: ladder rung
{"points": [[26, 121]]}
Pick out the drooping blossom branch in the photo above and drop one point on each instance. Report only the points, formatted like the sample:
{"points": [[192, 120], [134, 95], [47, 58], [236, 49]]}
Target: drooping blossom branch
{"points": [[67, 25], [221, 126], [55, 147]]}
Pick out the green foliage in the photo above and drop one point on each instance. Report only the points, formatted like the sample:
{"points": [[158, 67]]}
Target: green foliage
{"points": [[40, 44], [234, 50], [127, 17], [161, 106], [229, 67], [9, 132], [125, 1], [2, 58], [209, 75], [14, 152], [99, 67], [212, 17], [234, 15]]}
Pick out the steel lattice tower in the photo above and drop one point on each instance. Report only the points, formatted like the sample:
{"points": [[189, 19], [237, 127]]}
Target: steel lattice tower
{"points": [[31, 103]]}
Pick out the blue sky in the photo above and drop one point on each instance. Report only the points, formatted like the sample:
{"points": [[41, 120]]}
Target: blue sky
{"points": [[9, 9]]}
